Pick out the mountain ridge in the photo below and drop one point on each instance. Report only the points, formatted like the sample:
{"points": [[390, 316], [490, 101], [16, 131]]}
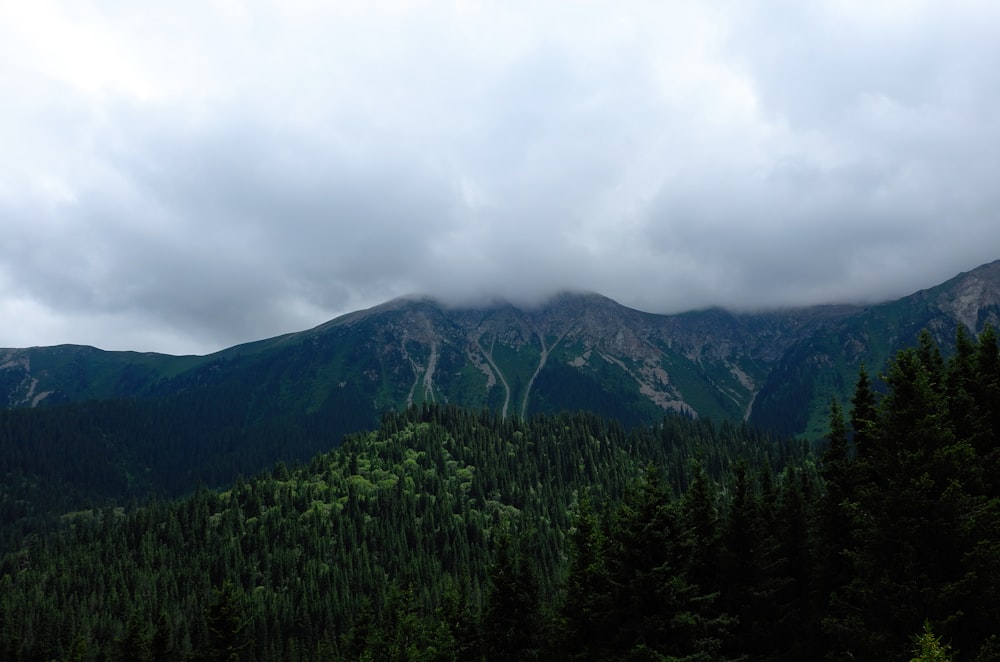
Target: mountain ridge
{"points": [[574, 350]]}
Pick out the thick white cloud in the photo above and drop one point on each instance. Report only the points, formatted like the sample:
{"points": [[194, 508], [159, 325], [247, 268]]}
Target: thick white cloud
{"points": [[190, 176]]}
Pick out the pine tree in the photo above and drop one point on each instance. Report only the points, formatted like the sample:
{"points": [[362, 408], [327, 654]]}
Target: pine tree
{"points": [[909, 549], [228, 639], [927, 647], [78, 650], [864, 415], [161, 649], [835, 521], [586, 606], [701, 517], [796, 629], [134, 644], [751, 569], [986, 394], [659, 612], [512, 615]]}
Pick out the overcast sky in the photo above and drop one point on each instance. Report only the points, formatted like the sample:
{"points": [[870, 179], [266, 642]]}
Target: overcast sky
{"points": [[183, 176]]}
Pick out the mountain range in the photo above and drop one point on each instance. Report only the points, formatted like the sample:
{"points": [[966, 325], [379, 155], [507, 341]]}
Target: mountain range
{"points": [[777, 369], [110, 545], [85, 428]]}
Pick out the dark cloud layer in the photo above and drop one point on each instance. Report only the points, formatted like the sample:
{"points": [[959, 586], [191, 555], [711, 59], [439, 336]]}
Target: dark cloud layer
{"points": [[202, 174]]}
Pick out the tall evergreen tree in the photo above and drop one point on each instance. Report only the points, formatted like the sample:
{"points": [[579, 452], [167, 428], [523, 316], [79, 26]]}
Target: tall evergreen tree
{"points": [[835, 522], [911, 545], [586, 608], [512, 615], [864, 414], [227, 628], [701, 517], [660, 612], [986, 394], [751, 569]]}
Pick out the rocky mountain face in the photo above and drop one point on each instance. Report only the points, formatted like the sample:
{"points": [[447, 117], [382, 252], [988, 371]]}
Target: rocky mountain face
{"points": [[577, 351]]}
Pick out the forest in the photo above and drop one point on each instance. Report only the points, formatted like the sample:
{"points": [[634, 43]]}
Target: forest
{"points": [[451, 534]]}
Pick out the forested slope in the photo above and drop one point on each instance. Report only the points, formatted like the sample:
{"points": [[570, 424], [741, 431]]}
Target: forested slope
{"points": [[116, 452], [449, 534], [400, 518]]}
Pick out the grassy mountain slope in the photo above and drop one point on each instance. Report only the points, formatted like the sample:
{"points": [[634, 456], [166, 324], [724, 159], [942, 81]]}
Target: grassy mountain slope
{"points": [[795, 397]]}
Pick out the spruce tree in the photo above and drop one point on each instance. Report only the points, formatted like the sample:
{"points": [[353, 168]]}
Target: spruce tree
{"points": [[227, 636], [512, 615], [835, 523], [864, 415], [586, 607], [928, 647]]}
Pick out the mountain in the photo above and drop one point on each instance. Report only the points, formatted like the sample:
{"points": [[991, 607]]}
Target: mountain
{"points": [[777, 369], [427, 526], [577, 351], [825, 363], [87, 428]]}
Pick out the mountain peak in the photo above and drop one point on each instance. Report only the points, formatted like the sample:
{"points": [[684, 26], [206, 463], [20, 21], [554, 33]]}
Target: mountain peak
{"points": [[972, 297]]}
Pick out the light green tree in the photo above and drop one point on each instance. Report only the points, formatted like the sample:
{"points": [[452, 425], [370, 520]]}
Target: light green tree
{"points": [[927, 647]]}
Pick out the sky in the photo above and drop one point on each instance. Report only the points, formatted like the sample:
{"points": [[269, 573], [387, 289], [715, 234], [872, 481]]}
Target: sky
{"points": [[184, 176]]}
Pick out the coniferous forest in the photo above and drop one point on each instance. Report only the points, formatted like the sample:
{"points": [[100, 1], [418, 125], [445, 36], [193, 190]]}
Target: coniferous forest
{"points": [[450, 534]]}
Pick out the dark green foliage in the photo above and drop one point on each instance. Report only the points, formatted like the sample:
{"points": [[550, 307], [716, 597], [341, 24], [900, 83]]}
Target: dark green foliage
{"points": [[834, 523], [782, 404], [923, 521], [512, 613], [864, 414], [586, 607], [752, 571], [134, 644], [700, 511], [655, 608], [560, 387], [226, 627], [452, 535], [74, 456], [389, 547]]}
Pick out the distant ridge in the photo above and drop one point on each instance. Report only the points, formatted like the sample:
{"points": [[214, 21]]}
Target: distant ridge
{"points": [[778, 369]]}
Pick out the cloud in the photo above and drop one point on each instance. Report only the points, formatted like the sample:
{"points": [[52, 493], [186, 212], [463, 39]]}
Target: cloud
{"points": [[190, 176]]}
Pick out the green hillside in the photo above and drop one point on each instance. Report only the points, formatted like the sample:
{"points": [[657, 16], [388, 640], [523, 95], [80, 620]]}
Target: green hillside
{"points": [[403, 522], [446, 534]]}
